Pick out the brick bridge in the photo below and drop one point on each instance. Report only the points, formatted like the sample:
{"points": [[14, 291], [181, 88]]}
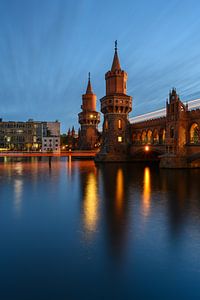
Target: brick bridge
{"points": [[170, 135]]}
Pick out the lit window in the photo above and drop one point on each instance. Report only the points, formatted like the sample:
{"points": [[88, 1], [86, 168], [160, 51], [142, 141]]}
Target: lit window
{"points": [[106, 124], [119, 139], [119, 124]]}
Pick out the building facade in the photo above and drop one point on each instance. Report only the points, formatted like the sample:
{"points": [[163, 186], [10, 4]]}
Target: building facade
{"points": [[26, 136]]}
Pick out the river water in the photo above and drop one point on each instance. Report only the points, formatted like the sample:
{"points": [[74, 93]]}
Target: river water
{"points": [[73, 230]]}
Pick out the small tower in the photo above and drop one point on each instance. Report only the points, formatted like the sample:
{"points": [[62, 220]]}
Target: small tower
{"points": [[115, 106], [89, 119], [175, 123]]}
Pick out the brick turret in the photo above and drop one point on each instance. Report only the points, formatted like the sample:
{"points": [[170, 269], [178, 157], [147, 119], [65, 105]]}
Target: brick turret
{"points": [[115, 106], [89, 119]]}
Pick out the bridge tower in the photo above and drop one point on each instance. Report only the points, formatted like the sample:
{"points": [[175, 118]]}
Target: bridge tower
{"points": [[176, 121], [176, 132], [115, 106], [89, 119]]}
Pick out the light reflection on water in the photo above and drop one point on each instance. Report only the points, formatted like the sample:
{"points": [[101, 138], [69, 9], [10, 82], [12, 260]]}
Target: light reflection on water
{"points": [[90, 203], [146, 191], [49, 212]]}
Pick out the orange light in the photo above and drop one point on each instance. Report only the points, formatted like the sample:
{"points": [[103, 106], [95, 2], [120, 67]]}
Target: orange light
{"points": [[146, 148]]}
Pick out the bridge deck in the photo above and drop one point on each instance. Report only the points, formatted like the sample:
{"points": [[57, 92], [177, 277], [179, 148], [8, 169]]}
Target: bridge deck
{"points": [[49, 154]]}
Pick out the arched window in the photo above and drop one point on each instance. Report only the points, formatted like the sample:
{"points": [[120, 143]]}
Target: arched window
{"points": [[106, 124], [172, 132], [119, 124], [194, 133]]}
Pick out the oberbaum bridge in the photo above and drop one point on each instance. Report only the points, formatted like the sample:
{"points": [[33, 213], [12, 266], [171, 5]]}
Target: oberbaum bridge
{"points": [[170, 135]]}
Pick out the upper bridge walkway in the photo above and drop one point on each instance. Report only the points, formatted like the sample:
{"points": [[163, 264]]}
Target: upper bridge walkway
{"points": [[192, 104]]}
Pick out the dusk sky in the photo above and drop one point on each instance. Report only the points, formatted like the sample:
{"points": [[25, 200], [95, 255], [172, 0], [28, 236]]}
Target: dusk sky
{"points": [[47, 48]]}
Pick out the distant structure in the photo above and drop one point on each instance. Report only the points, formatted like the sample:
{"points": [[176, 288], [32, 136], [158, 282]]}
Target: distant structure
{"points": [[89, 119], [30, 136]]}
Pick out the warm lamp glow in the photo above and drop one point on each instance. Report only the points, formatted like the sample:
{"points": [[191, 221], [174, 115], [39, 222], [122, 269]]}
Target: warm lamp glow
{"points": [[146, 148], [119, 139]]}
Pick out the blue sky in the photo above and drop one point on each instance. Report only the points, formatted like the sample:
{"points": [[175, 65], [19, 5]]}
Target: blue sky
{"points": [[47, 48]]}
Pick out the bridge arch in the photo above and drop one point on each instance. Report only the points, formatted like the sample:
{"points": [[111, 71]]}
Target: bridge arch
{"points": [[149, 136], [194, 134], [155, 136], [162, 134], [144, 137], [139, 138]]}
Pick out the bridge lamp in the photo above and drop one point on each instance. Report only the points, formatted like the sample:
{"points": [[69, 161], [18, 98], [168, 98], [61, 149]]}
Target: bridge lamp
{"points": [[146, 148]]}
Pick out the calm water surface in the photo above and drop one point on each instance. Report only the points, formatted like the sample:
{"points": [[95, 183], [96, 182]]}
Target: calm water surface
{"points": [[114, 231]]}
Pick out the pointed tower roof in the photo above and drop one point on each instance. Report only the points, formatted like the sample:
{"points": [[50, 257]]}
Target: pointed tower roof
{"points": [[116, 63], [89, 86]]}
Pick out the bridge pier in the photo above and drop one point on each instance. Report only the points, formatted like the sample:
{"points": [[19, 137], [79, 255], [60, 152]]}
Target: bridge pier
{"points": [[172, 161]]}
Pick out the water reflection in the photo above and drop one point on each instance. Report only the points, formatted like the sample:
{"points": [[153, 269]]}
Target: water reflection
{"points": [[101, 204], [119, 190], [69, 166], [90, 198], [18, 186], [115, 206], [90, 203], [146, 191]]}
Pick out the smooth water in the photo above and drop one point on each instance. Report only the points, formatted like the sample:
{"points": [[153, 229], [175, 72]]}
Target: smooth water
{"points": [[74, 230]]}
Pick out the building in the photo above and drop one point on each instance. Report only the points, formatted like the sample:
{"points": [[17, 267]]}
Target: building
{"points": [[89, 119], [51, 144], [26, 136], [51, 137]]}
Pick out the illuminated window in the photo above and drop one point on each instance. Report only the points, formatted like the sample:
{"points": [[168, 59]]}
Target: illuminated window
{"points": [[194, 134], [119, 139], [106, 124], [119, 124]]}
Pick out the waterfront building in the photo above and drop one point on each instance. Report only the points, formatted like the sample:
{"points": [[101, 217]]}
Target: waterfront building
{"points": [[89, 119], [51, 144], [27, 136]]}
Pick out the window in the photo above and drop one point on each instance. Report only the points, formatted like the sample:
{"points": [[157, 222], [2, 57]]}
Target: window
{"points": [[119, 124], [172, 132], [106, 124]]}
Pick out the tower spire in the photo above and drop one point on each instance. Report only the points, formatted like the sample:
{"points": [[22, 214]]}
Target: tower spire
{"points": [[116, 63], [89, 86]]}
